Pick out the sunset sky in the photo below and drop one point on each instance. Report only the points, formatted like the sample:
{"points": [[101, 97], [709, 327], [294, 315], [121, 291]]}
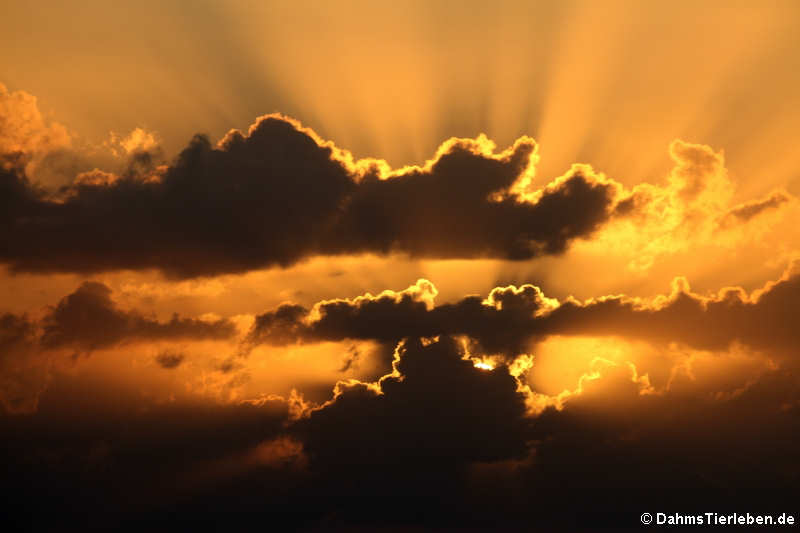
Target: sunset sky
{"points": [[408, 265]]}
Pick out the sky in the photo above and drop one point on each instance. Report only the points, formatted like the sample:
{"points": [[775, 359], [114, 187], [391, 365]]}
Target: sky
{"points": [[398, 265]]}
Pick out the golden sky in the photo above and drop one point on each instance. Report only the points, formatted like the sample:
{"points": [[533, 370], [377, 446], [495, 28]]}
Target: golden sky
{"points": [[441, 249]]}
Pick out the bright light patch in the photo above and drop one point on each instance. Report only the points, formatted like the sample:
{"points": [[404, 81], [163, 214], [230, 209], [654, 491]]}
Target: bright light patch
{"points": [[483, 364]]}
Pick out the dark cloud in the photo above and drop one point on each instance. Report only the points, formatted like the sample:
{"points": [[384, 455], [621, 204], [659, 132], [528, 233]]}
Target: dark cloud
{"points": [[612, 450], [435, 395], [749, 210], [16, 332], [24, 371], [228, 365], [437, 443], [17, 197], [446, 211], [411, 436], [500, 323], [762, 320], [279, 194], [169, 359], [510, 317], [88, 320], [109, 464], [689, 451]]}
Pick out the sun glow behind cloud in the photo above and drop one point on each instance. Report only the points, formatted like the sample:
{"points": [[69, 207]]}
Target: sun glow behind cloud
{"points": [[672, 127], [609, 84]]}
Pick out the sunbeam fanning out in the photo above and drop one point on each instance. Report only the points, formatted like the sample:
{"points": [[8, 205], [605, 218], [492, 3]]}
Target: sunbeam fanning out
{"points": [[399, 266]]}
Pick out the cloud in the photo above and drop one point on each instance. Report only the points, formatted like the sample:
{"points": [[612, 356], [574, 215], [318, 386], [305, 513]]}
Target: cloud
{"points": [[498, 322], [692, 208], [84, 321], [435, 394], [132, 457], [761, 320], [89, 320], [351, 359], [411, 435], [169, 359], [748, 210], [511, 317], [280, 194], [456, 432], [26, 137], [45, 152], [388, 316], [24, 370], [684, 450], [437, 439]]}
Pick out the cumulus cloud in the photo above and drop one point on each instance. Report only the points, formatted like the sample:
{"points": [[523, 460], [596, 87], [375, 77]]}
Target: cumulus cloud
{"points": [[438, 438], [435, 395], [694, 207], [456, 428], [45, 152], [88, 319], [412, 434], [499, 323], [280, 194], [510, 317], [762, 319], [26, 137]]}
